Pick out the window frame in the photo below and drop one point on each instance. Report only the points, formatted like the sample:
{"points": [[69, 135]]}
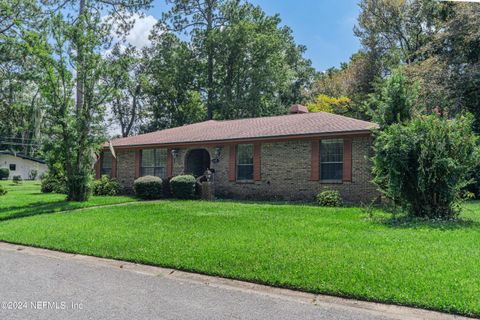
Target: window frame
{"points": [[341, 163], [237, 164], [109, 169], [155, 167]]}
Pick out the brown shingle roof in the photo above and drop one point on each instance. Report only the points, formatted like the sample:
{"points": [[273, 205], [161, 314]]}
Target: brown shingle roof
{"points": [[265, 127]]}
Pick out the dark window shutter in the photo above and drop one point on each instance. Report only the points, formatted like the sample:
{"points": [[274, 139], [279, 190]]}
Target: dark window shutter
{"points": [[347, 160], [137, 163], [315, 161], [232, 163], [257, 156]]}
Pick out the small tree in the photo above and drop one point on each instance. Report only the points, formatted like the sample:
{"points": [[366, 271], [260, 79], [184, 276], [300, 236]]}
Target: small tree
{"points": [[424, 165], [394, 100]]}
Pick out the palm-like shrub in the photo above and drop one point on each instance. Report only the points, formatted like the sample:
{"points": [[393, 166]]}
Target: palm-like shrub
{"points": [[424, 165]]}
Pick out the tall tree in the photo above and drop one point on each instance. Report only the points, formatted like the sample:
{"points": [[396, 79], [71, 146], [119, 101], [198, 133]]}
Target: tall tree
{"points": [[172, 84], [397, 30], [69, 55], [127, 79], [20, 104], [250, 66], [200, 19]]}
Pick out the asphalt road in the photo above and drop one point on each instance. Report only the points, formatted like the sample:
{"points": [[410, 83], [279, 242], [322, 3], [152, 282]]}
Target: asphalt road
{"points": [[46, 287]]}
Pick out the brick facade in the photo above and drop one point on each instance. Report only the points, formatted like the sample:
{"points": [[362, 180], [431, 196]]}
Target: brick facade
{"points": [[285, 172]]}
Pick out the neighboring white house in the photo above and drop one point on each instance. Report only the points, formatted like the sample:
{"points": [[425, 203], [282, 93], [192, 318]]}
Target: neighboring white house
{"points": [[21, 165]]}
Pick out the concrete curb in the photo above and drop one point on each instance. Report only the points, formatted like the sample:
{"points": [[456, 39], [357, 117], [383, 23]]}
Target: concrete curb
{"points": [[394, 311]]}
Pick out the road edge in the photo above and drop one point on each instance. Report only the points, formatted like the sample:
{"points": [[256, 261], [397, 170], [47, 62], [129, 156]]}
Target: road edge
{"points": [[396, 311]]}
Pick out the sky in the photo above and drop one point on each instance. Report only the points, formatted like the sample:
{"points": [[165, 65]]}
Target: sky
{"points": [[325, 27]]}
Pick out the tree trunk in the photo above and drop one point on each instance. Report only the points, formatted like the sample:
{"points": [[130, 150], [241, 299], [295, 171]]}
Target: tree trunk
{"points": [[78, 179]]}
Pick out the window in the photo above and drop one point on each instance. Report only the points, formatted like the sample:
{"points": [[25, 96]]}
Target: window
{"points": [[154, 162], [106, 168], [13, 167], [245, 162], [331, 160]]}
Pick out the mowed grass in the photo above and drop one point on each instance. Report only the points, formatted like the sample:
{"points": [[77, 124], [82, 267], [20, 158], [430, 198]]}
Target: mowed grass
{"points": [[324, 250], [25, 199]]}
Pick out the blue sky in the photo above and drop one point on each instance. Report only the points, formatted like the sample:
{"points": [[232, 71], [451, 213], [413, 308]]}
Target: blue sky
{"points": [[324, 26]]}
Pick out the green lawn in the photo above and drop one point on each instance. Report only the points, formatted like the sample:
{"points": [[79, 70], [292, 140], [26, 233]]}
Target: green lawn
{"points": [[334, 251], [26, 199]]}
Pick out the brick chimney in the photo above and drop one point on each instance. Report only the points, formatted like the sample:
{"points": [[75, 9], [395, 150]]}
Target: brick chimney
{"points": [[298, 108]]}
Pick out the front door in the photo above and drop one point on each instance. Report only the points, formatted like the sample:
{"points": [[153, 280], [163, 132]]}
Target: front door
{"points": [[197, 161]]}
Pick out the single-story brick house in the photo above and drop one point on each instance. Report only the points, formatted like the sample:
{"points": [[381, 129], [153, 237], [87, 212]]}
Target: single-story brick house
{"points": [[289, 157]]}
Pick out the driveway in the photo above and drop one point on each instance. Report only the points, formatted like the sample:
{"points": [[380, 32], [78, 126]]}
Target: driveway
{"points": [[42, 284]]}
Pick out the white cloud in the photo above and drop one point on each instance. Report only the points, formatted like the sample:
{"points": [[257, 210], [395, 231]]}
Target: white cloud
{"points": [[138, 35]]}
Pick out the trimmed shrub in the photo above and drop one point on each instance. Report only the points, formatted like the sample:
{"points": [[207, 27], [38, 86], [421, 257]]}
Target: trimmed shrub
{"points": [[53, 183], [17, 179], [148, 187], [106, 186], [183, 187], [424, 165], [4, 173], [2, 190], [329, 198]]}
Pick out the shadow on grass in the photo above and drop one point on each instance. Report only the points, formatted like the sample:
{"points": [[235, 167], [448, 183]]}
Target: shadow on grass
{"points": [[406, 222], [37, 208]]}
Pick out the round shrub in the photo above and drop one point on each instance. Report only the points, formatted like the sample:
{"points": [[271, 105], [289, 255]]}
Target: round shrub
{"points": [[4, 173], [2, 190], [329, 198], [148, 187], [424, 165], [183, 187], [17, 179], [106, 186], [53, 183]]}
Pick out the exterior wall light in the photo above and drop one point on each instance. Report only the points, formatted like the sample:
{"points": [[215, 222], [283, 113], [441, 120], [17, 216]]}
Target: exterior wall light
{"points": [[218, 153]]}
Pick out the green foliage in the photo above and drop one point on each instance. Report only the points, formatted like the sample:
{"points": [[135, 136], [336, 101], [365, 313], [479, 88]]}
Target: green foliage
{"points": [[106, 187], [353, 80], [24, 200], [245, 62], [429, 264], [4, 173], [32, 175], [17, 179], [324, 103], [183, 186], [148, 187], [329, 198], [54, 181], [2, 190], [394, 100], [424, 165]]}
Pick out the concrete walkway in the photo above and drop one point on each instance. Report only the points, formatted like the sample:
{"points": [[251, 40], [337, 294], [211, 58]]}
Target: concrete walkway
{"points": [[42, 284]]}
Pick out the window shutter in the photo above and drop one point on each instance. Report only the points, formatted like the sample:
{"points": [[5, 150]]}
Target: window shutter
{"points": [[257, 155], [347, 160], [169, 163], [315, 161], [232, 163], [137, 163], [98, 164], [114, 167]]}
